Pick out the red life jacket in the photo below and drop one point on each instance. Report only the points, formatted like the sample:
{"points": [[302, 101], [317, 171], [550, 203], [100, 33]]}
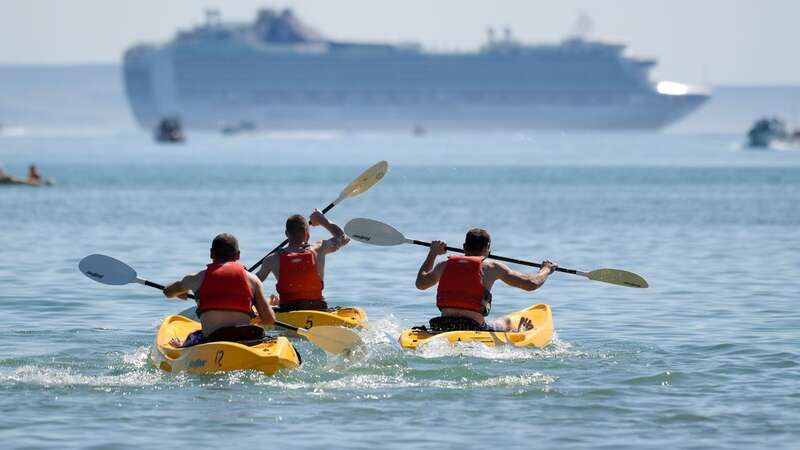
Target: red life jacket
{"points": [[298, 278], [461, 285], [226, 287]]}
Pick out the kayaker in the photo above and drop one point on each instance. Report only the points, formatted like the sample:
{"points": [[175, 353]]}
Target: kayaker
{"points": [[465, 282], [225, 292], [300, 267]]}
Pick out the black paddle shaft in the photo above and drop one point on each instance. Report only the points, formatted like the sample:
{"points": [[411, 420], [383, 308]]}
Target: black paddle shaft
{"points": [[283, 244], [153, 285], [499, 258], [162, 287]]}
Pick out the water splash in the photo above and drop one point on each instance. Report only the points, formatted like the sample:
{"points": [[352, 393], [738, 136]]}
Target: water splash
{"points": [[557, 349], [409, 379], [42, 376]]}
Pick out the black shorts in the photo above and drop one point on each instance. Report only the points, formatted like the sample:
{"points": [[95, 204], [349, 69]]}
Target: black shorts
{"points": [[242, 333], [303, 305], [455, 323]]}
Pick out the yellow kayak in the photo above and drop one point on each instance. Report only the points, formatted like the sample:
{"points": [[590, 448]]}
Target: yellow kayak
{"points": [[268, 356], [336, 317], [538, 336]]}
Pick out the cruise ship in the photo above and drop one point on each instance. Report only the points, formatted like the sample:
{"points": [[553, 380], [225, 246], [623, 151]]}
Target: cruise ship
{"points": [[278, 74]]}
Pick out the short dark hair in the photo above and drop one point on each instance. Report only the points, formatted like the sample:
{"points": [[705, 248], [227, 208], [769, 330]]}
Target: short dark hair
{"points": [[296, 223], [224, 247], [476, 240]]}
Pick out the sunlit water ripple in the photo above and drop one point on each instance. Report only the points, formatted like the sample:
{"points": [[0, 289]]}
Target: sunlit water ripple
{"points": [[707, 357]]}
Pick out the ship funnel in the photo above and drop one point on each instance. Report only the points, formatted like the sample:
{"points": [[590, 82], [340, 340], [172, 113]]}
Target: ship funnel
{"points": [[213, 18], [582, 27]]}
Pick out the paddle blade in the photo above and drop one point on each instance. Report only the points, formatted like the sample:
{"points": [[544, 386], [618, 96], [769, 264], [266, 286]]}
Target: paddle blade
{"points": [[366, 180], [331, 339], [373, 232], [107, 270], [619, 277]]}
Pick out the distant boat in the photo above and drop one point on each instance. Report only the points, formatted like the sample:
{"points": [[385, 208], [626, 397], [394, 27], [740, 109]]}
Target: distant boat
{"points": [[280, 74], [169, 130], [33, 179], [241, 127], [771, 133], [12, 180]]}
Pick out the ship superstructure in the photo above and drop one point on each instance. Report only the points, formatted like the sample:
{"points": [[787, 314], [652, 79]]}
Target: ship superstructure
{"points": [[277, 73]]}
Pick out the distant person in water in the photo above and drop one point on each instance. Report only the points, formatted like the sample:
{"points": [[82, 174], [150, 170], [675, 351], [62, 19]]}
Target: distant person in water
{"points": [[465, 282], [225, 292], [33, 175], [300, 267]]}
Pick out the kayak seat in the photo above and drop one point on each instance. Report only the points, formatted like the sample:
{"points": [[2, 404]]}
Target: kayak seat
{"points": [[237, 334], [303, 305], [442, 324]]}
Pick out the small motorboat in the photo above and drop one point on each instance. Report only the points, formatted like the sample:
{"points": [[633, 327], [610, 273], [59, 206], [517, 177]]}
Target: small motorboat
{"points": [[772, 133], [169, 130], [243, 126]]}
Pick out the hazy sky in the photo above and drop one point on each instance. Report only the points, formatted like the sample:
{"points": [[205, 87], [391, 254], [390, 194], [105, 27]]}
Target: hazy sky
{"points": [[698, 41]]}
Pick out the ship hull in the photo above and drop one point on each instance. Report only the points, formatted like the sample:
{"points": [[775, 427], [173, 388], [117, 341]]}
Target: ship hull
{"points": [[653, 114], [321, 92]]}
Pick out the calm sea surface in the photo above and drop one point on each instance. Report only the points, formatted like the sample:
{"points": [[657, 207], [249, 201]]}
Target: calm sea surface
{"points": [[709, 356]]}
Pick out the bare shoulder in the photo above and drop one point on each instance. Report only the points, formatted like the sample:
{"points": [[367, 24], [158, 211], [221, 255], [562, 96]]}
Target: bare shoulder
{"points": [[253, 278], [491, 264], [194, 280], [198, 275], [495, 268], [268, 265], [316, 246], [270, 259], [334, 243]]}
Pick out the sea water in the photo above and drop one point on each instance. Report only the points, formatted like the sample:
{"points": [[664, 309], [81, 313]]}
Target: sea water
{"points": [[708, 356]]}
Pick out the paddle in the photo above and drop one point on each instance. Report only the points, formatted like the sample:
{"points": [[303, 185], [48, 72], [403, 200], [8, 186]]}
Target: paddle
{"points": [[361, 184], [107, 270], [373, 232]]}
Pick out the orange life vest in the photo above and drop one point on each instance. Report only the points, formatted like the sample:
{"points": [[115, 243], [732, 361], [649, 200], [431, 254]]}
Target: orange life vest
{"points": [[226, 287], [298, 278], [461, 285]]}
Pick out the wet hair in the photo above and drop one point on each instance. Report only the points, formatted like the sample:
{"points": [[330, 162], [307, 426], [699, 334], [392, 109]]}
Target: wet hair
{"points": [[296, 223], [476, 240], [224, 247]]}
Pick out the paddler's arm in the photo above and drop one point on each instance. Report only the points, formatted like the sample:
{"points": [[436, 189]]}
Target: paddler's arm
{"points": [[265, 312], [267, 267], [338, 238], [524, 281], [429, 275], [181, 288]]}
